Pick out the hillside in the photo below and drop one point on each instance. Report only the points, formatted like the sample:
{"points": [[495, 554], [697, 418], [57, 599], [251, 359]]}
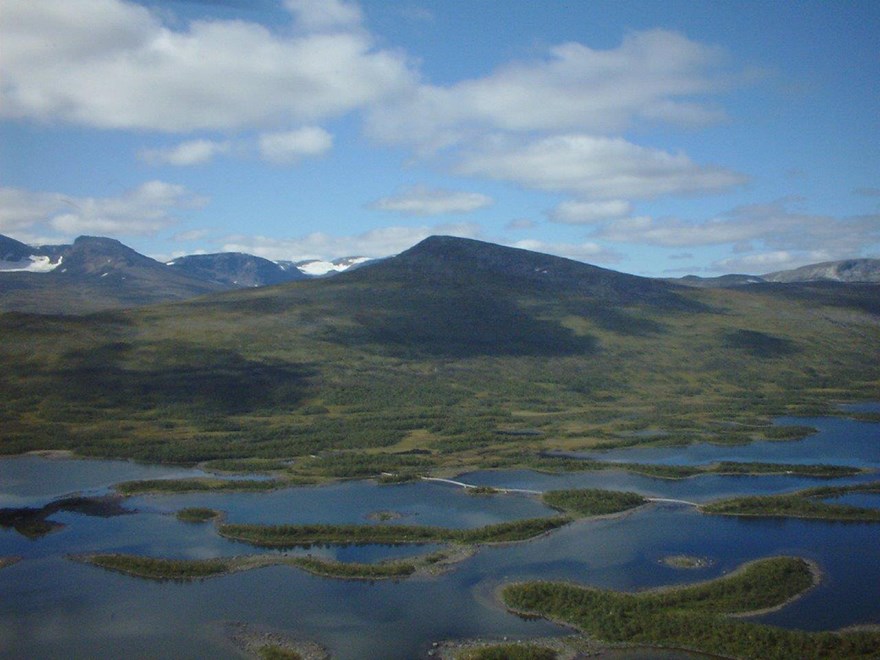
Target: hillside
{"points": [[455, 353], [95, 274], [849, 270], [235, 269]]}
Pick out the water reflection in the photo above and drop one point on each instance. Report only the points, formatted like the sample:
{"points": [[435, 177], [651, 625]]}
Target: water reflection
{"points": [[52, 607]]}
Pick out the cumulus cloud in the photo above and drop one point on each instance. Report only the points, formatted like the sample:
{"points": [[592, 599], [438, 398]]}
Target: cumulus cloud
{"points": [[291, 146], [580, 213], [768, 262], [325, 14], [762, 237], [588, 251], [380, 242], [191, 152], [421, 200], [595, 167], [143, 210], [773, 225], [653, 75], [114, 64]]}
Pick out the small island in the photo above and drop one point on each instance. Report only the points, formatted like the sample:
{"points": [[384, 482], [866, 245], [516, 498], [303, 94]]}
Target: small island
{"points": [[808, 503], [198, 515], [697, 617]]}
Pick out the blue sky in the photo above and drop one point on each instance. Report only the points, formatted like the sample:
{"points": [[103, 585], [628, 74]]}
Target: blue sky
{"points": [[657, 138]]}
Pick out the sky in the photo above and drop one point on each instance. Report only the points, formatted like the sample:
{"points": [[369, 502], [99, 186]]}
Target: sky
{"points": [[654, 138]]}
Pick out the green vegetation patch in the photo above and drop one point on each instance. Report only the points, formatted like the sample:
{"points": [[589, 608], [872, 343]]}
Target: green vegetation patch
{"points": [[591, 501], [696, 617], [157, 568], [197, 515], [246, 465], [160, 569], [277, 652], [197, 484], [307, 535], [338, 569], [509, 652], [555, 464], [802, 504]]}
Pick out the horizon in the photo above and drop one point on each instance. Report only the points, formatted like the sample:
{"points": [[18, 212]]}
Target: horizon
{"points": [[657, 140]]}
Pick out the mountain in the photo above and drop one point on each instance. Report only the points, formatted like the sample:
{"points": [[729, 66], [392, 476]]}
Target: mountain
{"points": [[455, 354], [235, 269], [850, 270], [95, 274], [18, 257]]}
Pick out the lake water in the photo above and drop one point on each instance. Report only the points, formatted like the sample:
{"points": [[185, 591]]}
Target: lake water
{"points": [[51, 607]]}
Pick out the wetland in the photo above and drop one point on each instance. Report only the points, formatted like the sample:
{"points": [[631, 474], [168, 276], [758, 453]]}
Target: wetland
{"points": [[356, 591]]}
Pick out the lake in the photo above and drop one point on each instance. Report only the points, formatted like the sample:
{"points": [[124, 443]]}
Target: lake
{"points": [[52, 607]]}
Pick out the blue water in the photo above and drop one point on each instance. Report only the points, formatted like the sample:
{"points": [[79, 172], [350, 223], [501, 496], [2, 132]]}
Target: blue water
{"points": [[51, 607], [839, 441]]}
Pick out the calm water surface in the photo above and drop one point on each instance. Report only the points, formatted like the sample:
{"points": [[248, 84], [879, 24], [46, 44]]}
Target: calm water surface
{"points": [[51, 607]]}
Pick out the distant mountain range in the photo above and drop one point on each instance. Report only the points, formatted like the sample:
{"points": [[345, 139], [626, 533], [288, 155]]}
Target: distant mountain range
{"points": [[848, 270], [97, 273]]}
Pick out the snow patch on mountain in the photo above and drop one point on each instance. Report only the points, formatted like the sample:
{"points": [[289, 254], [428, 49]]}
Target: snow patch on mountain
{"points": [[319, 267], [33, 264]]}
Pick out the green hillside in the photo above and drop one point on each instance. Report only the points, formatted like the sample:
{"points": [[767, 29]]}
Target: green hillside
{"points": [[456, 353]]}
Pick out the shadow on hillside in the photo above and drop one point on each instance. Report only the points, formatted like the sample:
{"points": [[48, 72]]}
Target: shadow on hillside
{"points": [[454, 326], [760, 344], [202, 379]]}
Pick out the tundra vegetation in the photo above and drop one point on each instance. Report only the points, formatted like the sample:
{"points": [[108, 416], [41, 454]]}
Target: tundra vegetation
{"points": [[697, 617], [158, 568], [808, 503], [197, 514], [453, 355]]}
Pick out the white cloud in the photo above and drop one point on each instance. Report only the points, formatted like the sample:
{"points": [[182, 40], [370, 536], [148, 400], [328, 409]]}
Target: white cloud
{"points": [[291, 146], [591, 252], [580, 213], [380, 242], [143, 210], [768, 262], [773, 226], [325, 14], [192, 152], [595, 168], [653, 75], [114, 64], [421, 200], [521, 223]]}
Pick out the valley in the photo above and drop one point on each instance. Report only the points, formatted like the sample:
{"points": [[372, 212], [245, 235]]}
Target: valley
{"points": [[314, 436]]}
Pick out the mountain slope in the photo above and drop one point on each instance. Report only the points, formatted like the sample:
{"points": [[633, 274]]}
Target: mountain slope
{"points": [[850, 270], [96, 274], [455, 354], [235, 269]]}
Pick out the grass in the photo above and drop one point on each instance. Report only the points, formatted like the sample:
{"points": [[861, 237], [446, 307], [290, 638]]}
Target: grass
{"points": [[697, 617], [197, 515], [199, 484], [556, 464], [158, 568], [384, 372], [592, 502], [509, 652], [802, 504], [288, 536], [276, 652]]}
